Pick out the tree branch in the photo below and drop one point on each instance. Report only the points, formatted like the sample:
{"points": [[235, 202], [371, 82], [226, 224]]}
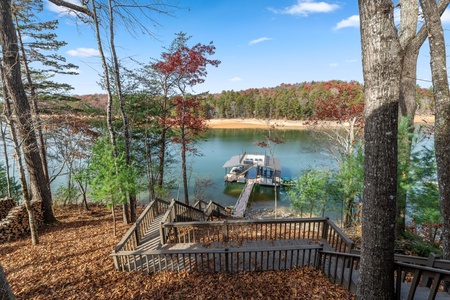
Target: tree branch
{"points": [[80, 9]]}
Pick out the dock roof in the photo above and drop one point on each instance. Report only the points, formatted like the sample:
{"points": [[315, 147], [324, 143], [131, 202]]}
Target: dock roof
{"points": [[269, 163]]}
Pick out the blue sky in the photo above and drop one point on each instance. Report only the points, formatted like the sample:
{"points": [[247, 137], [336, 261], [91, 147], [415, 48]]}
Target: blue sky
{"points": [[261, 43]]}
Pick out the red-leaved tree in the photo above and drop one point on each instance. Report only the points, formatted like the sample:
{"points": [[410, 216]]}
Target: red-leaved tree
{"points": [[185, 67]]}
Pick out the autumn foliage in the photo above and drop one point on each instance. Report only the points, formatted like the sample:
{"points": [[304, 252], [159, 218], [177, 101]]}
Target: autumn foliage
{"points": [[187, 63]]}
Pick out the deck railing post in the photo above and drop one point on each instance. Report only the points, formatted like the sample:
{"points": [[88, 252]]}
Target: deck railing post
{"points": [[227, 260], [325, 228], [116, 263], [225, 231], [136, 234], [162, 233]]}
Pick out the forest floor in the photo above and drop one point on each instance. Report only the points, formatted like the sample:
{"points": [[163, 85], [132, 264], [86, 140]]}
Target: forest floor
{"points": [[72, 262], [287, 124]]}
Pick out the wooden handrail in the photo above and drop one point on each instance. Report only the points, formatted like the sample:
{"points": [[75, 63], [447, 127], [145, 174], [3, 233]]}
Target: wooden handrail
{"points": [[136, 231], [217, 260], [243, 230], [417, 260], [341, 242], [214, 250]]}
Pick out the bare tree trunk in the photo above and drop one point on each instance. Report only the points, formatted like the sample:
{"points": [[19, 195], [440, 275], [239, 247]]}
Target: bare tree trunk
{"points": [[411, 43], [5, 153], [5, 290], [34, 109], [184, 167], [442, 122], [382, 60], [13, 82], [23, 129], [126, 126], [114, 220], [109, 123], [18, 154]]}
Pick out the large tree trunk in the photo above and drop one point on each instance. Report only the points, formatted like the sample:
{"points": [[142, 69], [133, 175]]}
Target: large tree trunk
{"points": [[407, 102], [442, 122], [381, 53], [34, 108], [14, 86], [411, 43], [5, 290], [18, 154]]}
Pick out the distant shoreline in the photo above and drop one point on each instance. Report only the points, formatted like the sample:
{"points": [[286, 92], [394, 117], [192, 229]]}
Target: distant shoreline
{"points": [[285, 124]]}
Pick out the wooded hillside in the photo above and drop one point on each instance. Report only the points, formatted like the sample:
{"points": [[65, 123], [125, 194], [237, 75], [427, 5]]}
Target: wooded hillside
{"points": [[320, 100]]}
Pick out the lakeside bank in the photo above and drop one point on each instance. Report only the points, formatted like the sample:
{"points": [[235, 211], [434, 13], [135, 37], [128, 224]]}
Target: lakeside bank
{"points": [[286, 124]]}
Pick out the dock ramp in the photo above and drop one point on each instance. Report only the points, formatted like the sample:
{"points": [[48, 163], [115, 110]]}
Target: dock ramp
{"points": [[241, 204]]}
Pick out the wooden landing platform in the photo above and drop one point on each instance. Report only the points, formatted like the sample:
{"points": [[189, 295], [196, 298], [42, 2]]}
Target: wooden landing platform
{"points": [[260, 244], [241, 204], [259, 255]]}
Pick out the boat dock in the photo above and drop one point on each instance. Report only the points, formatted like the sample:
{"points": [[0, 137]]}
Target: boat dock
{"points": [[241, 204]]}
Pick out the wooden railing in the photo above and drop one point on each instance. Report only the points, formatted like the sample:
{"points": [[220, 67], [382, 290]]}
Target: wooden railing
{"points": [[432, 279], [343, 269], [334, 236], [211, 209], [320, 229], [178, 212], [132, 237], [219, 260]]}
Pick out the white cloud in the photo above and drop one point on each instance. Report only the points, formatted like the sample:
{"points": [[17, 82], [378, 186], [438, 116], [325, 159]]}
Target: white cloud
{"points": [[350, 61], [306, 7], [352, 21], [84, 52], [334, 65], [256, 41], [234, 79]]}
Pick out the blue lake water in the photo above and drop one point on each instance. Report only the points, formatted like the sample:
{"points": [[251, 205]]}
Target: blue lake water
{"points": [[301, 150]]}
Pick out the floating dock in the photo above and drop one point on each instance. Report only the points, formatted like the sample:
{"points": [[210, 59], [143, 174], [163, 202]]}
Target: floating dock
{"points": [[266, 170]]}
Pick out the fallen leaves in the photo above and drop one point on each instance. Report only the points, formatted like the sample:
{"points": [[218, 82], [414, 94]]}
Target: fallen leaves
{"points": [[73, 262]]}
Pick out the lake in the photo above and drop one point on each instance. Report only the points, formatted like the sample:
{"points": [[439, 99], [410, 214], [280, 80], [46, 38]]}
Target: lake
{"points": [[301, 150]]}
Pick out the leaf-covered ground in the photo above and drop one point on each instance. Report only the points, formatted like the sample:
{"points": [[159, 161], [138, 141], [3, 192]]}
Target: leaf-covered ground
{"points": [[72, 262]]}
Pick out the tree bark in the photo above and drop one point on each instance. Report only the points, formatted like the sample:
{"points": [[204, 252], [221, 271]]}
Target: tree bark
{"points": [[5, 289], [14, 86], [382, 60], [442, 114], [411, 43], [34, 108]]}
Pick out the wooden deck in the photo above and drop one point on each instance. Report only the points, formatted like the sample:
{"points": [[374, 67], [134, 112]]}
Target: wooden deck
{"points": [[160, 240]]}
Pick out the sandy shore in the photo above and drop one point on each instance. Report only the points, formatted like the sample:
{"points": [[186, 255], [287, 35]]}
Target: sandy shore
{"points": [[284, 124]]}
